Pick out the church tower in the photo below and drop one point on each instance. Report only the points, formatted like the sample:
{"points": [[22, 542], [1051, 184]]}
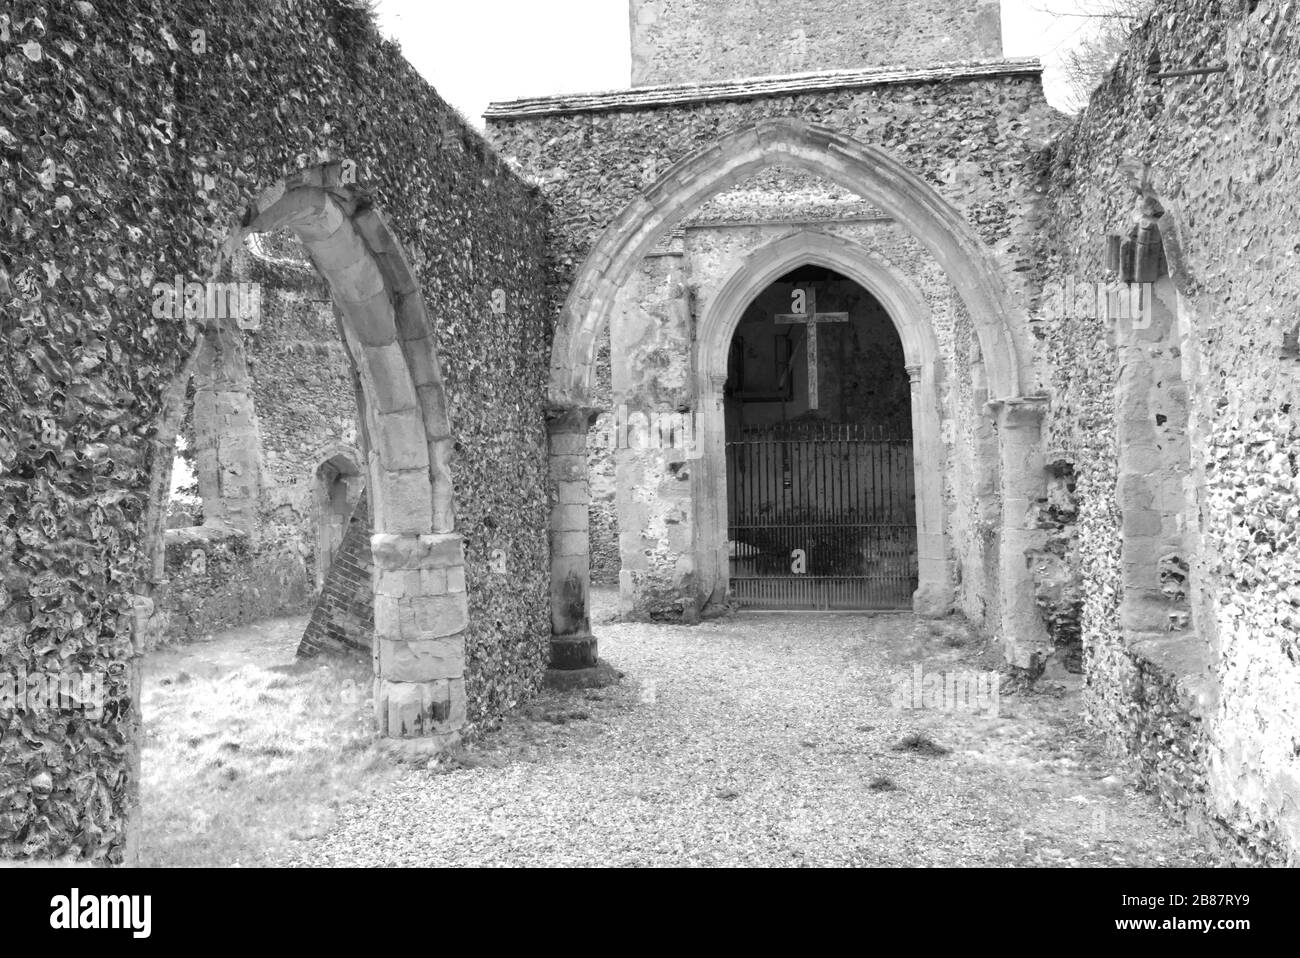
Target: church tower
{"points": [[697, 41]]}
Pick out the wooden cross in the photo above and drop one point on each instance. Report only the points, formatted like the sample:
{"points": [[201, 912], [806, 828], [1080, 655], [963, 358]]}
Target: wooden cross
{"points": [[805, 311]]}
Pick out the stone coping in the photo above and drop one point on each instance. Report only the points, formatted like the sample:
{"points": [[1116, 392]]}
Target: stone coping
{"points": [[756, 87]]}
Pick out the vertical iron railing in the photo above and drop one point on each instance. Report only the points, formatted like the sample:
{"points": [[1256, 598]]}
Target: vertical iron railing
{"points": [[821, 516]]}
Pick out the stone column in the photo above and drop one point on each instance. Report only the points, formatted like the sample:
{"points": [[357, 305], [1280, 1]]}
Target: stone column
{"points": [[421, 612], [712, 553], [572, 644], [934, 592], [227, 442], [1024, 486], [650, 359]]}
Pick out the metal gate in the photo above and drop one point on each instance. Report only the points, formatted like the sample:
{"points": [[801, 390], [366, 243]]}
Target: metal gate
{"points": [[821, 516]]}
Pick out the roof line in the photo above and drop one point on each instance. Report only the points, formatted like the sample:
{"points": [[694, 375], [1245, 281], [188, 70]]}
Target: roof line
{"points": [[754, 87]]}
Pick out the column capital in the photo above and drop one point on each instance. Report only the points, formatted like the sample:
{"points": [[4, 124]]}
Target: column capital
{"points": [[1019, 409], [914, 371]]}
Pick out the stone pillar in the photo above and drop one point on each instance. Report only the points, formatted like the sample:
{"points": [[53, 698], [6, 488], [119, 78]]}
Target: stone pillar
{"points": [[227, 442], [572, 644], [934, 592], [650, 360], [1024, 486], [713, 557], [421, 612]]}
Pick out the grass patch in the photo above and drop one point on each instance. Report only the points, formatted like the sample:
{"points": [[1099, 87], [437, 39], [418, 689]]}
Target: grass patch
{"points": [[241, 762]]}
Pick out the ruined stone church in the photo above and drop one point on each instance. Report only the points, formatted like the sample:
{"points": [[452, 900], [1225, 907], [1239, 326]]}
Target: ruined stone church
{"points": [[828, 310]]}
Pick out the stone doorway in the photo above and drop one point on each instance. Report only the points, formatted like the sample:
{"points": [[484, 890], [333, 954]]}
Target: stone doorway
{"points": [[1008, 406], [821, 500]]}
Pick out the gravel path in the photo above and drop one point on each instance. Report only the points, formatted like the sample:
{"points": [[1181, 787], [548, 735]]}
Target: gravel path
{"points": [[766, 740]]}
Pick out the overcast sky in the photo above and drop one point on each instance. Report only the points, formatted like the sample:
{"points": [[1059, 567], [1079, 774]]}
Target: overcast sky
{"points": [[478, 51]]}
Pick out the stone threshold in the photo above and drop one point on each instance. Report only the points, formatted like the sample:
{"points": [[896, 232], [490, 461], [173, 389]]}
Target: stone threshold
{"points": [[758, 87]]}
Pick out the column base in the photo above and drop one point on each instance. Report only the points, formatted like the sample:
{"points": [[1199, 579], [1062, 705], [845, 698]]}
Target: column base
{"points": [[414, 751], [572, 652], [566, 680], [933, 601]]}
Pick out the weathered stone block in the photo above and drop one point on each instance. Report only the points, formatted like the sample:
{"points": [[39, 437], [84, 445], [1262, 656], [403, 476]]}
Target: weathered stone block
{"points": [[434, 616], [433, 398], [403, 501], [569, 444], [399, 441], [358, 282], [371, 321], [571, 493], [569, 543], [1139, 523], [422, 660], [388, 616], [387, 381], [336, 252], [457, 701], [412, 709], [569, 517], [434, 582], [569, 469], [417, 551]]}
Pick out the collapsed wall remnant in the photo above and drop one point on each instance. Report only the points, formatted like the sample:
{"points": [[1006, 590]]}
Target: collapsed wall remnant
{"points": [[1178, 417]]}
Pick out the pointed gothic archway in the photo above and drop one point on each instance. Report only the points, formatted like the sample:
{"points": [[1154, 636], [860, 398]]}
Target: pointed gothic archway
{"points": [[903, 195], [866, 170], [910, 314]]}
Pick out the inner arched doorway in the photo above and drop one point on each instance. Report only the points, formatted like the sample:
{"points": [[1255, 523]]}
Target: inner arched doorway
{"points": [[891, 297], [821, 500]]}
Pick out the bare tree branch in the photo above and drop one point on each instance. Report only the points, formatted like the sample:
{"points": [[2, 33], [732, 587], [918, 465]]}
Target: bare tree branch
{"points": [[1110, 24]]}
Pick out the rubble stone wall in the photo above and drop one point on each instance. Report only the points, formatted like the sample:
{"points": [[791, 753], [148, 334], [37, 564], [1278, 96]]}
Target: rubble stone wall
{"points": [[213, 104], [1209, 711], [682, 41]]}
